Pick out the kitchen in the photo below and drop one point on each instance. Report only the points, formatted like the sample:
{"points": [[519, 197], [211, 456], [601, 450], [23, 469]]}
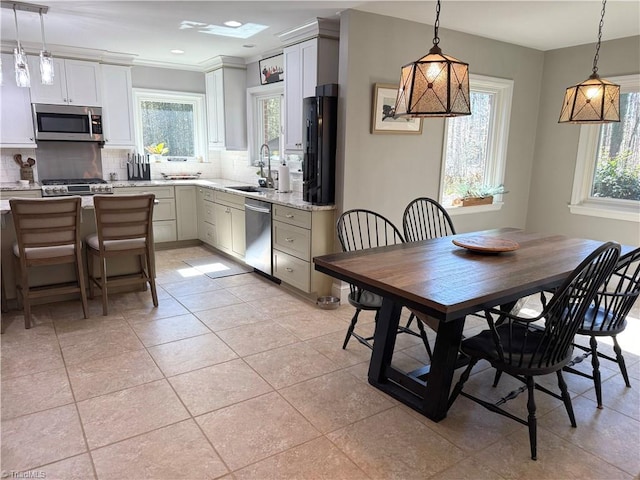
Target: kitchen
{"points": [[373, 169]]}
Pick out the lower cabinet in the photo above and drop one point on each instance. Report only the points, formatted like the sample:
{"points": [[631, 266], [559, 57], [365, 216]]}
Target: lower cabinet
{"points": [[229, 223], [164, 212], [186, 213], [298, 236], [206, 216]]}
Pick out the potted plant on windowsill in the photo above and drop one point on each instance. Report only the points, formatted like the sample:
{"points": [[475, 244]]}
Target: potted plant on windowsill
{"points": [[157, 150], [472, 195]]}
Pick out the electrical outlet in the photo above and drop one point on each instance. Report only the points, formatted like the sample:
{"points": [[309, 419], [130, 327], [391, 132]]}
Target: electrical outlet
{"points": [[123, 163]]}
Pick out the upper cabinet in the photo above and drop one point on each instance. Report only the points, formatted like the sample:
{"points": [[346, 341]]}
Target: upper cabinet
{"points": [[16, 120], [76, 82], [117, 107], [306, 64], [227, 106]]}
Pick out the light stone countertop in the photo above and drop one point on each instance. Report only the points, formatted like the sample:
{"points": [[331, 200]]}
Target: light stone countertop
{"points": [[290, 199]]}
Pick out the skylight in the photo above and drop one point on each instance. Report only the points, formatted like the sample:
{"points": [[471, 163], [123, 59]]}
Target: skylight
{"points": [[245, 31]]}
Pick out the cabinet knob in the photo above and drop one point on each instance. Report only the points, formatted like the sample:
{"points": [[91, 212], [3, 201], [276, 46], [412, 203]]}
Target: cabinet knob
{"points": [[70, 101], [31, 138], [288, 215]]}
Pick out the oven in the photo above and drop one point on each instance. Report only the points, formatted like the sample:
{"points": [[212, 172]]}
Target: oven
{"points": [[67, 123], [75, 186]]}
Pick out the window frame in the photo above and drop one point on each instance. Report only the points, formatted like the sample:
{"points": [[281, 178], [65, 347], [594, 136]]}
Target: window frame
{"points": [[498, 139], [254, 95], [197, 100], [582, 203]]}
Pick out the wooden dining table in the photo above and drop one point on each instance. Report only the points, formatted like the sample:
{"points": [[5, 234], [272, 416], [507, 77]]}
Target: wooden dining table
{"points": [[445, 282]]}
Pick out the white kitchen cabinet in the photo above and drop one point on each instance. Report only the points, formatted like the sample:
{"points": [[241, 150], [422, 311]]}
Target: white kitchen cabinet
{"points": [[186, 212], [226, 108], [117, 107], [16, 117], [230, 228], [164, 211], [76, 82], [206, 216], [298, 236], [307, 64]]}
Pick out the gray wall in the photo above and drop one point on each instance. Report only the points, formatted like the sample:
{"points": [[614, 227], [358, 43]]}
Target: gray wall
{"points": [[557, 144], [167, 79], [385, 172]]}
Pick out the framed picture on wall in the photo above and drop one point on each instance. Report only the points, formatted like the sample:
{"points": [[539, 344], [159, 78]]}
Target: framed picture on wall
{"points": [[271, 69], [383, 119]]}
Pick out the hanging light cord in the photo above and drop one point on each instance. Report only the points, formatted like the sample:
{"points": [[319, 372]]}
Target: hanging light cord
{"points": [[15, 17], [44, 43], [436, 25], [595, 58]]}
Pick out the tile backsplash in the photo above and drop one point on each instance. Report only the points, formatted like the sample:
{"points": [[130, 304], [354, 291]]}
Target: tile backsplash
{"points": [[231, 165]]}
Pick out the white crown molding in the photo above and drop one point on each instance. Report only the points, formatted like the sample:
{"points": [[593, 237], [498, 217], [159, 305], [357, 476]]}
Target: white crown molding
{"points": [[223, 61], [318, 27], [77, 53]]}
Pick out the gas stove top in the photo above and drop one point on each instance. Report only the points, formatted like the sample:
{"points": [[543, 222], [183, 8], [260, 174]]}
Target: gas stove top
{"points": [[74, 186]]}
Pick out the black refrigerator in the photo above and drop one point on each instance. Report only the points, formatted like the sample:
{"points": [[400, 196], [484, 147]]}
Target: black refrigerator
{"points": [[319, 163]]}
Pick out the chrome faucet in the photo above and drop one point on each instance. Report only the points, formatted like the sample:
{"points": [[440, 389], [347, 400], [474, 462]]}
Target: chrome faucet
{"points": [[269, 178]]}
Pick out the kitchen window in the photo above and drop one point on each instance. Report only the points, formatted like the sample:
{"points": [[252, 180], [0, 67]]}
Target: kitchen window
{"points": [[265, 106], [475, 146], [175, 119], [606, 182]]}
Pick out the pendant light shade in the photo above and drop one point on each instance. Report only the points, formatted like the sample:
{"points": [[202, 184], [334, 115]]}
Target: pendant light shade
{"points": [[436, 85], [23, 79], [46, 60], [595, 100]]}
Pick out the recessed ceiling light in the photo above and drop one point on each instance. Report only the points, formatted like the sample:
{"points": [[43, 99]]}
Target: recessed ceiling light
{"points": [[177, 51], [249, 45], [232, 23]]}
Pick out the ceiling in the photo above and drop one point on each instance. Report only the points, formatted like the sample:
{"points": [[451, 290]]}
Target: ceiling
{"points": [[146, 31]]}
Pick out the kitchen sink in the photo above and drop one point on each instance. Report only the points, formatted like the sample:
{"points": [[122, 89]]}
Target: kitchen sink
{"points": [[247, 188]]}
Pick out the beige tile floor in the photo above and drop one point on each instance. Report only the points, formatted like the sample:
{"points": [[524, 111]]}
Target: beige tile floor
{"points": [[235, 377]]}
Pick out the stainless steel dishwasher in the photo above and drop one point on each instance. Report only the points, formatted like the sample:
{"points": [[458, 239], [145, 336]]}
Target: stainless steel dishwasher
{"points": [[258, 235]]}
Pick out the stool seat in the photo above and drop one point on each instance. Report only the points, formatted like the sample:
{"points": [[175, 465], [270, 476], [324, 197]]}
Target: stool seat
{"points": [[45, 252], [115, 245]]}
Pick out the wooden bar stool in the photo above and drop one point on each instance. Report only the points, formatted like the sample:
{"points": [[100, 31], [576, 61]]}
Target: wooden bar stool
{"points": [[47, 233], [123, 228]]}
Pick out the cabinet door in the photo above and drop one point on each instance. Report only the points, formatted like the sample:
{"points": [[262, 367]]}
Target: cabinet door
{"points": [[55, 94], [83, 85], [309, 60], [16, 120], [238, 232], [292, 99], [186, 215], [117, 106], [224, 238], [215, 107]]}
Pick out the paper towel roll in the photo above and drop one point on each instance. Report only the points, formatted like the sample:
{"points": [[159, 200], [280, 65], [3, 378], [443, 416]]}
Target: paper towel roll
{"points": [[284, 184]]}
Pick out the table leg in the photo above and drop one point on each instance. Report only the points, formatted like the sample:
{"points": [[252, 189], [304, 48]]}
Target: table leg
{"points": [[443, 363], [384, 340]]}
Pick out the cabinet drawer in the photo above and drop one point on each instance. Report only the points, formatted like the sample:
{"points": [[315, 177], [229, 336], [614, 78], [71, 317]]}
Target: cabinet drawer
{"points": [[7, 194], [229, 199], [159, 192], [207, 194], [164, 231], [165, 209], [293, 216], [292, 270], [293, 240], [209, 234], [208, 213]]}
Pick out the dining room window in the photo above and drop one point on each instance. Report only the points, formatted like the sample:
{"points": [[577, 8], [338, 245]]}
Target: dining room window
{"points": [[607, 176], [475, 146], [173, 119]]}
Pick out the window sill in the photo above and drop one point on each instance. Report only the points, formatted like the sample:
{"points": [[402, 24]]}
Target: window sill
{"points": [[475, 209], [626, 213]]}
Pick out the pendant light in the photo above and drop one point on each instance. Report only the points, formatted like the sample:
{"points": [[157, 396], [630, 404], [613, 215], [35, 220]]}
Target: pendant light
{"points": [[595, 100], [20, 59], [436, 85], [46, 60]]}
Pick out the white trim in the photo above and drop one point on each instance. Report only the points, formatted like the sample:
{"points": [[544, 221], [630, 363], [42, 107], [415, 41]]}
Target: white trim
{"points": [[498, 131], [253, 95], [582, 203], [493, 207]]}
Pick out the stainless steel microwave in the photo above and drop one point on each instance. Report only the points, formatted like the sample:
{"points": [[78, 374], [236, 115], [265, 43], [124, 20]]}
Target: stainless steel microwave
{"points": [[68, 123]]}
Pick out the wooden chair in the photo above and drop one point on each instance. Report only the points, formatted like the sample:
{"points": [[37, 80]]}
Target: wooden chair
{"points": [[607, 316], [517, 347], [360, 229], [47, 233], [123, 228]]}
